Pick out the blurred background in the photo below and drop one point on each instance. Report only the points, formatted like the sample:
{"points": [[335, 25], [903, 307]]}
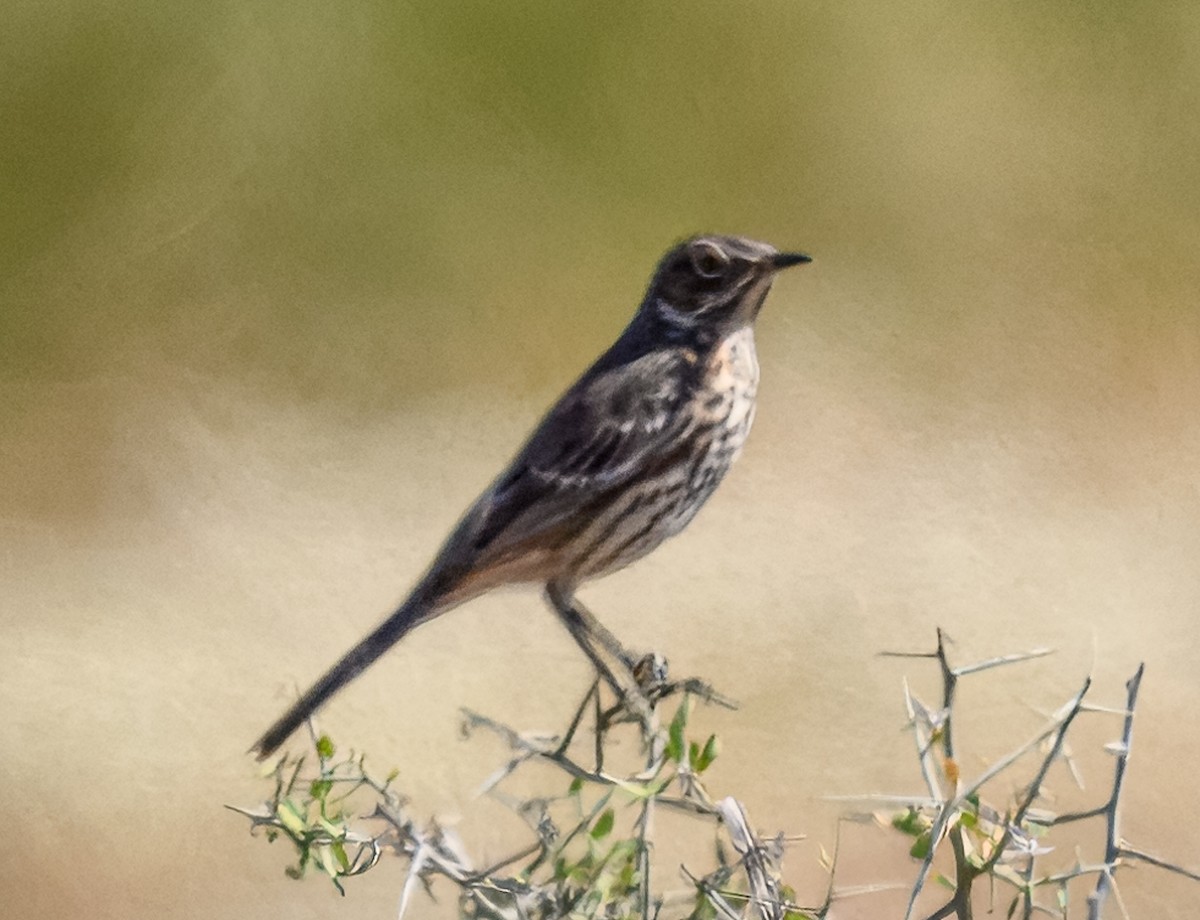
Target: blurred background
{"points": [[282, 286]]}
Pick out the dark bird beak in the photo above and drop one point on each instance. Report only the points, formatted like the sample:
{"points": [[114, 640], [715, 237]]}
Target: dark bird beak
{"points": [[788, 259]]}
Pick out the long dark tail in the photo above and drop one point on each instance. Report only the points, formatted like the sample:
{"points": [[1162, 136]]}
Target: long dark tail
{"points": [[413, 611]]}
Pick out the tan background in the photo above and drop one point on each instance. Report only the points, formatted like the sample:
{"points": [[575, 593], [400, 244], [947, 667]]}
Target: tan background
{"points": [[281, 287]]}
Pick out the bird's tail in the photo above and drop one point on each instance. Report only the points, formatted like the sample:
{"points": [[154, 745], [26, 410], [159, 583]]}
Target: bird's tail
{"points": [[413, 611]]}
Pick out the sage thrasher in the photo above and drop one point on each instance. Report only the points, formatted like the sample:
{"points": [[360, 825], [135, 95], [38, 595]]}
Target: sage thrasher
{"points": [[623, 461]]}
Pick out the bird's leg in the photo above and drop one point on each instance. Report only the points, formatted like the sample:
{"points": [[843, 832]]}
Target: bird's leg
{"points": [[579, 632], [650, 674], [563, 604], [586, 630], [598, 630], [649, 671]]}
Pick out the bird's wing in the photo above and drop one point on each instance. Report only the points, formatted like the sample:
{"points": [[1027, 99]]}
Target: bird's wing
{"points": [[607, 430]]}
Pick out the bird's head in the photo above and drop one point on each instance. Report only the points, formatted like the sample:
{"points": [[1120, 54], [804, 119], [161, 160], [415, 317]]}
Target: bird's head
{"points": [[715, 284]]}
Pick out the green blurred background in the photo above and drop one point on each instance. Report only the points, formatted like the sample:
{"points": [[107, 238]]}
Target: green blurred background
{"points": [[282, 285]]}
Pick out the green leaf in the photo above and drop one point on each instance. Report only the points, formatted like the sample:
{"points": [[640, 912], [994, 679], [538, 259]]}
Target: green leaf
{"points": [[325, 747], [603, 825], [712, 747], [292, 817], [911, 822], [576, 786], [945, 882], [920, 847], [693, 756], [675, 734], [325, 860], [339, 852], [333, 830], [645, 790], [320, 788]]}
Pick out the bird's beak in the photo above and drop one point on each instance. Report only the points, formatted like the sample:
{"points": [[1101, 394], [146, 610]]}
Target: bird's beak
{"points": [[783, 260]]}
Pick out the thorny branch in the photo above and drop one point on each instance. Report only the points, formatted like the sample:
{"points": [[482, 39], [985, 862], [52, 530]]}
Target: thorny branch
{"points": [[1111, 810], [581, 863], [592, 848], [1003, 844]]}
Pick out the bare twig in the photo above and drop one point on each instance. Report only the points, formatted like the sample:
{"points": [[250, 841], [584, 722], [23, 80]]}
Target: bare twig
{"points": [[1127, 852], [1112, 843]]}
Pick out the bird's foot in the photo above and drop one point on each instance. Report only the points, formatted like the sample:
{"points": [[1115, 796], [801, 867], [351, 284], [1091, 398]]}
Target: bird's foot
{"points": [[637, 700], [652, 674]]}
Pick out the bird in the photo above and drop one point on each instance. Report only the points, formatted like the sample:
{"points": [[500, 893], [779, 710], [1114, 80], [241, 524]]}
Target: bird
{"points": [[621, 462]]}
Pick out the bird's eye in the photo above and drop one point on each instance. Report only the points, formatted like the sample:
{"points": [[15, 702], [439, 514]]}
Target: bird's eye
{"points": [[709, 261]]}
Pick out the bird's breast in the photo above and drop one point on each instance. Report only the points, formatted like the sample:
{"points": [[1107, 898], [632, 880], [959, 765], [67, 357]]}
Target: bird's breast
{"points": [[724, 407], [713, 424]]}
